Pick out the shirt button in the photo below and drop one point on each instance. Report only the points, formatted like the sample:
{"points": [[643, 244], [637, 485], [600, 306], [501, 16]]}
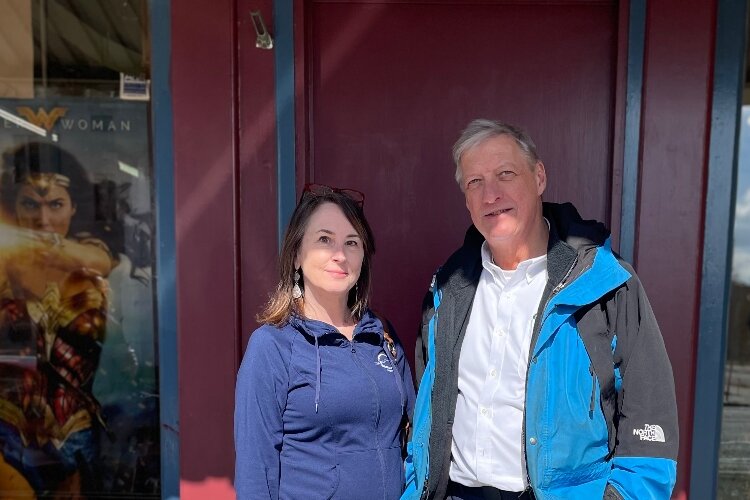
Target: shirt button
{"points": [[532, 441], [483, 411], [493, 373]]}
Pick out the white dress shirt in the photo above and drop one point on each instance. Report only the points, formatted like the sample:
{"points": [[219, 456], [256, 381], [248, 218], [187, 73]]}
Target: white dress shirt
{"points": [[486, 448]]}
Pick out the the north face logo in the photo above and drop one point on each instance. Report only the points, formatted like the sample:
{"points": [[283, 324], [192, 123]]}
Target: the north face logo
{"points": [[650, 433]]}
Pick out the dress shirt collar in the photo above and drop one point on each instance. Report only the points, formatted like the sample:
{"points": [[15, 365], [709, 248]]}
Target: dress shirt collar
{"points": [[529, 268]]}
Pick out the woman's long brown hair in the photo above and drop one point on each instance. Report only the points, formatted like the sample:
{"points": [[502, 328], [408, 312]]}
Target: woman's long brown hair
{"points": [[281, 305]]}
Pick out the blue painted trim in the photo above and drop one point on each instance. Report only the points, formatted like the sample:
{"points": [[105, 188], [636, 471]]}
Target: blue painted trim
{"points": [[283, 17], [717, 245], [632, 153], [165, 250]]}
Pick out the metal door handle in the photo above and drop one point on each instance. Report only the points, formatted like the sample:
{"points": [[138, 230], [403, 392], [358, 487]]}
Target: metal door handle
{"points": [[263, 39]]}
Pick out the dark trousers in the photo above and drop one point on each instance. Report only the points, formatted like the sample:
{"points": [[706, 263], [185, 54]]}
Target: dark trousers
{"points": [[457, 491]]}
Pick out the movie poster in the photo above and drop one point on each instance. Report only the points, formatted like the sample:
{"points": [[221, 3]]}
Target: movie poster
{"points": [[79, 394]]}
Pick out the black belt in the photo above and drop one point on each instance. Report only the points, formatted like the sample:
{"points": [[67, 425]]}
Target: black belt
{"points": [[458, 491]]}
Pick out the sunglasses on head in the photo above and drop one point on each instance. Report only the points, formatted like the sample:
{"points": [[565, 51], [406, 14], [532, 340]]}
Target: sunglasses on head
{"points": [[357, 197]]}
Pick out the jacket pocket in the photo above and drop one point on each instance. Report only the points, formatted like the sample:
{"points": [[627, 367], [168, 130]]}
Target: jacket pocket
{"points": [[311, 481]]}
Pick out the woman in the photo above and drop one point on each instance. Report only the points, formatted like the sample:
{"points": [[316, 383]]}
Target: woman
{"points": [[323, 394], [52, 311]]}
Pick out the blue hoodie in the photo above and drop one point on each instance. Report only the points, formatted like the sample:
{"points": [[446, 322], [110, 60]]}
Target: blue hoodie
{"points": [[319, 416]]}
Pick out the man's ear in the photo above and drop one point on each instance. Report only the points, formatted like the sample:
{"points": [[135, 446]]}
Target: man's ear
{"points": [[541, 178]]}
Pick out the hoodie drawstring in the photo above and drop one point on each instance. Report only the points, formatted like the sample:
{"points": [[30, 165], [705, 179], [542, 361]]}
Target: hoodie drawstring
{"points": [[317, 374]]}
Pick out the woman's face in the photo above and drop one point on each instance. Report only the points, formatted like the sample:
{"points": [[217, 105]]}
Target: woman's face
{"points": [[49, 209], [331, 253]]}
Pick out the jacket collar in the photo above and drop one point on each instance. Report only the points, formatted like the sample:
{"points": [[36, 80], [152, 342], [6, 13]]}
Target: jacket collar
{"points": [[571, 249], [369, 323], [560, 255], [569, 234]]}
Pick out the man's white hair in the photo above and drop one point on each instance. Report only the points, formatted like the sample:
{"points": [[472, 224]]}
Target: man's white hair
{"points": [[482, 129]]}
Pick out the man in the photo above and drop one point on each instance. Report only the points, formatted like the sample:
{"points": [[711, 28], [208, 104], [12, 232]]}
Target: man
{"points": [[543, 371]]}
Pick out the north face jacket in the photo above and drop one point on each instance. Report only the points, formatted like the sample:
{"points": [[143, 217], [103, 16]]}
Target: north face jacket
{"points": [[320, 417], [600, 417]]}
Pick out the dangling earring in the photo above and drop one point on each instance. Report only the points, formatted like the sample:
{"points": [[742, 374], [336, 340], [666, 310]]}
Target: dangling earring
{"points": [[356, 291], [296, 290]]}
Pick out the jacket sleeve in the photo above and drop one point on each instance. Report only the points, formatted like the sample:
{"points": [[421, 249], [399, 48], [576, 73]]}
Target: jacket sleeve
{"points": [[420, 348], [644, 464], [420, 362], [260, 398]]}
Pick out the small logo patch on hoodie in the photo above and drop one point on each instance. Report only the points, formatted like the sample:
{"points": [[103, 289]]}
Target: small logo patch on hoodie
{"points": [[384, 362]]}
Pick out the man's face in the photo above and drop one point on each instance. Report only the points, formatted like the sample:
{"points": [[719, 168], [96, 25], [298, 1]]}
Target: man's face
{"points": [[502, 190]]}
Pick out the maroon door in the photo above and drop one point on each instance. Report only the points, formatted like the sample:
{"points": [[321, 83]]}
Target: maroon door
{"points": [[389, 85]]}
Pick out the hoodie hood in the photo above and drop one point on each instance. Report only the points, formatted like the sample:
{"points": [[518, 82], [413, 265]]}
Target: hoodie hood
{"points": [[368, 324], [571, 229]]}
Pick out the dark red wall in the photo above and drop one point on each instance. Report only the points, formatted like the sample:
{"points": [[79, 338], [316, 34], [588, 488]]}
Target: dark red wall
{"points": [[387, 105], [225, 184], [225, 196], [205, 130], [675, 127]]}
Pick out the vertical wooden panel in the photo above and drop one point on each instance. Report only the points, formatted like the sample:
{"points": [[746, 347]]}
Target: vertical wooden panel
{"points": [[618, 145], [165, 272], [257, 183], [632, 127], [205, 129], [676, 106]]}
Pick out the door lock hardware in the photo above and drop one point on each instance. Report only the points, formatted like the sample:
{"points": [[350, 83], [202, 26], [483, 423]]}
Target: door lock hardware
{"points": [[263, 38]]}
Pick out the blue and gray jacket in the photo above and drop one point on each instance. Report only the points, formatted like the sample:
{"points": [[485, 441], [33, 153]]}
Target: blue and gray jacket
{"points": [[600, 417]]}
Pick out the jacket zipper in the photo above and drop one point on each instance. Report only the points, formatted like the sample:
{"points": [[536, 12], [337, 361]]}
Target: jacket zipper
{"points": [[377, 413], [554, 292], [593, 391]]}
